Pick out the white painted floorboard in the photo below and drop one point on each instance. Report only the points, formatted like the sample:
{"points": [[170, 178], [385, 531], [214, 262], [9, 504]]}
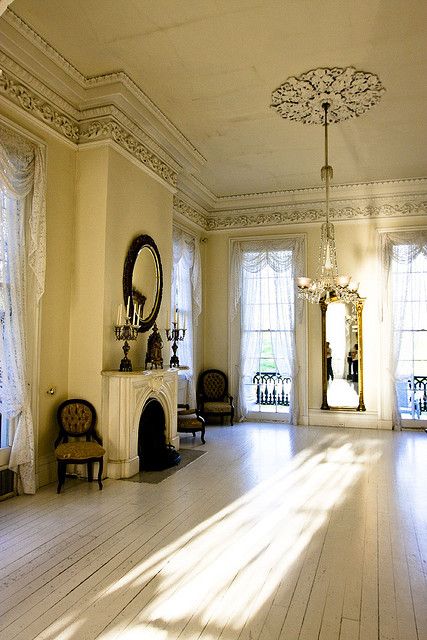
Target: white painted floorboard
{"points": [[277, 533]]}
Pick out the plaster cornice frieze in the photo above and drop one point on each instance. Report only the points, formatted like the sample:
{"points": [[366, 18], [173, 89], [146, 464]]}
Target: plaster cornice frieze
{"points": [[113, 112], [19, 74], [36, 99], [122, 78], [13, 19], [88, 83], [190, 212], [108, 129], [112, 107], [18, 93], [299, 214]]}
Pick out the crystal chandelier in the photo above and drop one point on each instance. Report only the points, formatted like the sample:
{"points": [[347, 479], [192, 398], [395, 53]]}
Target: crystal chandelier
{"points": [[327, 284], [319, 95]]}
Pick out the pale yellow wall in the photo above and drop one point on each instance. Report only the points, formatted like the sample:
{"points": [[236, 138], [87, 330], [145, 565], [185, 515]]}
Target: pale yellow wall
{"points": [[98, 201], [357, 255], [137, 204], [88, 282], [116, 201]]}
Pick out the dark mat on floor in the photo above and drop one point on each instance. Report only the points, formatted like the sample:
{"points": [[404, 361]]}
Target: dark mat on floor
{"points": [[154, 477]]}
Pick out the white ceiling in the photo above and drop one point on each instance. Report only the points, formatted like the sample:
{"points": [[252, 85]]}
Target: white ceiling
{"points": [[211, 65]]}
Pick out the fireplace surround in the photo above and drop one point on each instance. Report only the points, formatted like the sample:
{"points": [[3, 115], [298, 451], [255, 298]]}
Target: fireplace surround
{"points": [[124, 396]]}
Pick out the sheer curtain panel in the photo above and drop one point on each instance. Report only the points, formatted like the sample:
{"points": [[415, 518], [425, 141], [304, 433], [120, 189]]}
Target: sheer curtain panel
{"points": [[404, 261], [187, 298], [263, 274], [22, 271]]}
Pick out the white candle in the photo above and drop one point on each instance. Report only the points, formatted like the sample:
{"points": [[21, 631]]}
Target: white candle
{"points": [[120, 314], [127, 308], [134, 316], [175, 317], [185, 323]]}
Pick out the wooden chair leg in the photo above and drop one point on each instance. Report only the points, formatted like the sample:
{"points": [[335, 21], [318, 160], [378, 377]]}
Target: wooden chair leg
{"points": [[62, 468], [101, 466], [202, 436], [90, 471]]}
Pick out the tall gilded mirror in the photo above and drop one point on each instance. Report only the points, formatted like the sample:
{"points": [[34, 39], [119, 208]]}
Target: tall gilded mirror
{"points": [[342, 355]]}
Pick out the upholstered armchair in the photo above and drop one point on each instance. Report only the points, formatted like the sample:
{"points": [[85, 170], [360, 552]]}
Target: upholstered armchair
{"points": [[78, 443], [213, 398], [190, 421]]}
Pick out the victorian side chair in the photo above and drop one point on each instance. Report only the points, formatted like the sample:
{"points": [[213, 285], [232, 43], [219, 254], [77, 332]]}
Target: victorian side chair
{"points": [[78, 443]]}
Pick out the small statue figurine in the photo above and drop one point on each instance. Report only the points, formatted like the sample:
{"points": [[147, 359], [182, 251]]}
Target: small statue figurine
{"points": [[154, 350]]}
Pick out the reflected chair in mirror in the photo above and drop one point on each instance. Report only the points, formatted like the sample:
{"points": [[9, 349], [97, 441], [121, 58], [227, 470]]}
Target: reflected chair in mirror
{"points": [[213, 398], [190, 421], [78, 443]]}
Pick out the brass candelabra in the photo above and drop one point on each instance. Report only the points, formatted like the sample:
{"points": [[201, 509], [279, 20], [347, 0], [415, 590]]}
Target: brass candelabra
{"points": [[174, 335], [127, 331]]}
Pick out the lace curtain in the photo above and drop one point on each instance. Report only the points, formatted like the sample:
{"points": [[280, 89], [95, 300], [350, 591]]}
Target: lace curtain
{"points": [[407, 312], [187, 298], [262, 302], [22, 263]]}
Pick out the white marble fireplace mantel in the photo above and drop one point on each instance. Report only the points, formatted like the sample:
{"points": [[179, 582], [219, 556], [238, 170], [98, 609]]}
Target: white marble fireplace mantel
{"points": [[124, 395]]}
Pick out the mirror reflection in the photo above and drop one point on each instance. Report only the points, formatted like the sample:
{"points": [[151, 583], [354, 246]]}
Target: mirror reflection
{"points": [[144, 282], [342, 355]]}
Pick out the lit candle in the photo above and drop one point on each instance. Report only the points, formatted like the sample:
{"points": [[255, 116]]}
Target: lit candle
{"points": [[127, 308], [175, 317]]}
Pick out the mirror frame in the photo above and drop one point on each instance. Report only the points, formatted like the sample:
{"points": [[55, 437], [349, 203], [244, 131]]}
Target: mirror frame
{"points": [[325, 406], [141, 242]]}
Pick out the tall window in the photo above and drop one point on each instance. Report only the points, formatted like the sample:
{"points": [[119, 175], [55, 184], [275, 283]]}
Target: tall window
{"points": [[22, 264], [264, 293], [405, 266], [186, 301]]}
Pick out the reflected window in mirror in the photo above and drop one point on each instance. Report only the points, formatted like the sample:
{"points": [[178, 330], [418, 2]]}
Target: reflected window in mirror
{"points": [[342, 375]]}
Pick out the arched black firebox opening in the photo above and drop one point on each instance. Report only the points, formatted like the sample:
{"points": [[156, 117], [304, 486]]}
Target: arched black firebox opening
{"points": [[153, 451]]}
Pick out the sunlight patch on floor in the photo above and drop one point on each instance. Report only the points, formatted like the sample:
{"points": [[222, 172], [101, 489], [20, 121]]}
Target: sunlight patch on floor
{"points": [[222, 571]]}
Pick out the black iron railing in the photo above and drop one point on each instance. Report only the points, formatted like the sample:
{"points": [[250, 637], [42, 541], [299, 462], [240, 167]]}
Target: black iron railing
{"points": [[272, 388]]}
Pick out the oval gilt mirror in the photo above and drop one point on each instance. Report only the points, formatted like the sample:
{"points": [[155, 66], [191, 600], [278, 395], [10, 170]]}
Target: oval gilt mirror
{"points": [[143, 280], [342, 355]]}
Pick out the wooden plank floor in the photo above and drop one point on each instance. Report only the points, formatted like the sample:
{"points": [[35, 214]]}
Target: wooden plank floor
{"points": [[277, 533]]}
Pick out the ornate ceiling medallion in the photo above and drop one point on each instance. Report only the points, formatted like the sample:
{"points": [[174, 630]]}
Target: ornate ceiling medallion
{"points": [[348, 92]]}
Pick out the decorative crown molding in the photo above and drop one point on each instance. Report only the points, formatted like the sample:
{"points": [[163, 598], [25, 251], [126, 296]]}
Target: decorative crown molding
{"points": [[22, 27], [106, 126], [348, 92], [190, 212], [18, 93], [105, 129], [102, 80], [112, 112], [97, 117], [298, 214]]}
